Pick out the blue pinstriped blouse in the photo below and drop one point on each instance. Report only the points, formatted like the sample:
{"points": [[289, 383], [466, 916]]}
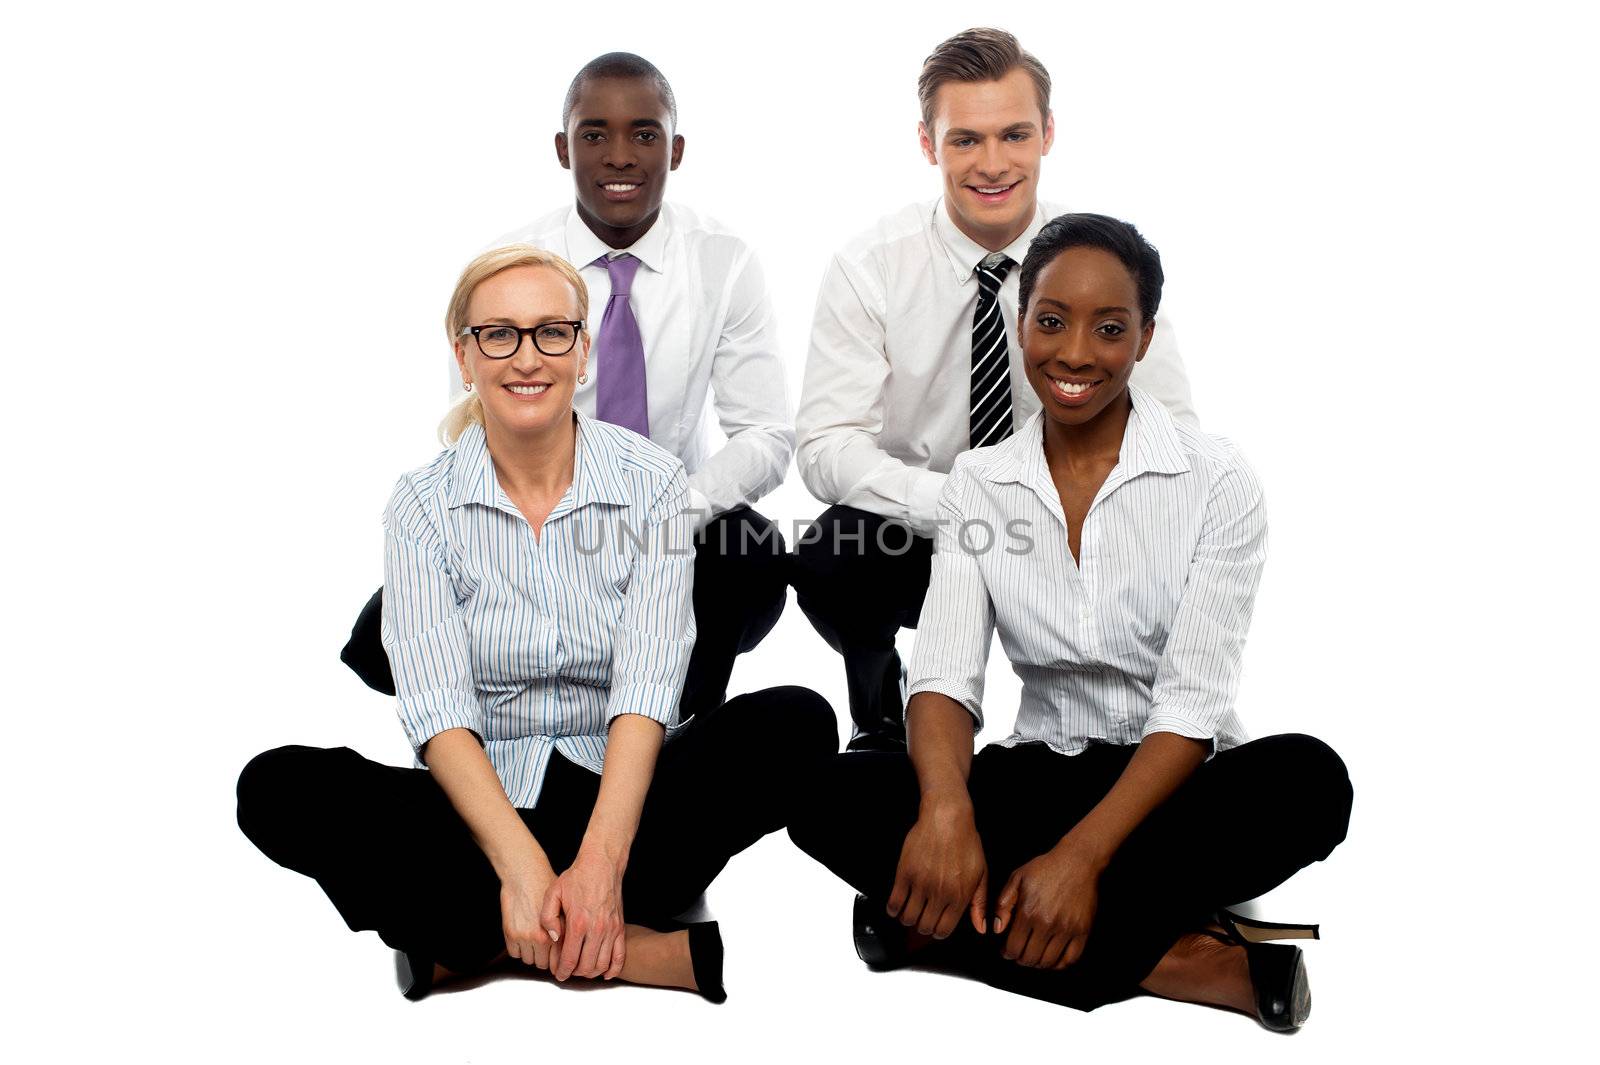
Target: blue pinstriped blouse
{"points": [[536, 644], [1144, 632]]}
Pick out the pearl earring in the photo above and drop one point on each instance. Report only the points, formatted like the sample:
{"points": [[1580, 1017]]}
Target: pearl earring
{"points": [[467, 385], [583, 378]]}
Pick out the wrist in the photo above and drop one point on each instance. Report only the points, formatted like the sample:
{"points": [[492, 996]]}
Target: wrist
{"points": [[607, 847], [951, 802], [520, 864], [1089, 848]]}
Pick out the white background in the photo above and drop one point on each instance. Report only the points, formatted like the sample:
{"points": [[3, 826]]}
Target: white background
{"points": [[229, 234]]}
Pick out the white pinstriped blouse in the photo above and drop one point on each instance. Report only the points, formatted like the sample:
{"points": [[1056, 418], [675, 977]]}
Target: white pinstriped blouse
{"points": [[1145, 632], [536, 644]]}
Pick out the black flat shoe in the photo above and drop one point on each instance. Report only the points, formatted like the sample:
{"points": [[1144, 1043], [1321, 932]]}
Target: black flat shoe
{"points": [[414, 974], [880, 941], [1277, 972], [705, 954]]}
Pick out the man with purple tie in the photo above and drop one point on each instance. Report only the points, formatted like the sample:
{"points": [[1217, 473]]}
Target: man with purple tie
{"points": [[686, 320]]}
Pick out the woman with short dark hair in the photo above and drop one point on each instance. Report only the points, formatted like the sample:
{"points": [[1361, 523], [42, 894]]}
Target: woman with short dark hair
{"points": [[1092, 853]]}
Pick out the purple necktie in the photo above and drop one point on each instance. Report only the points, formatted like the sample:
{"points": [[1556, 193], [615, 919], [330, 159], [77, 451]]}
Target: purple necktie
{"points": [[620, 395]]}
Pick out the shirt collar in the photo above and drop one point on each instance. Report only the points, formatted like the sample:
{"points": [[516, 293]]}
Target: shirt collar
{"points": [[965, 253], [584, 247], [1149, 445], [595, 478]]}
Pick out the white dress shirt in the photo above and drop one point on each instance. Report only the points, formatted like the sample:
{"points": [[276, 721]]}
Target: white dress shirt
{"points": [[709, 339], [1145, 632], [886, 399], [536, 643]]}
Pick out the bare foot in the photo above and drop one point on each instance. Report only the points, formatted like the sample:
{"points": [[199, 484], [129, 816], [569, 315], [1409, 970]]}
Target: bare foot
{"points": [[1201, 968]]}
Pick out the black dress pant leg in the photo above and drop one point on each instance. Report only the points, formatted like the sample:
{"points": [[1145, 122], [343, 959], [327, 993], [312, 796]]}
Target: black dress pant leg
{"points": [[364, 652], [390, 851], [740, 587], [860, 578], [1244, 823], [1191, 856], [734, 775]]}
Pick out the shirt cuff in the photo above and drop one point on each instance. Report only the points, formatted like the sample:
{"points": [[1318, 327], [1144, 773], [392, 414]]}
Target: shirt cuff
{"points": [[922, 509], [426, 714], [658, 702], [965, 696], [1180, 722], [699, 509]]}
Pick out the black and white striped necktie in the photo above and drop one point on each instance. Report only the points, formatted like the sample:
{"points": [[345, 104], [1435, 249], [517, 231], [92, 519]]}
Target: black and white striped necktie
{"points": [[991, 362]]}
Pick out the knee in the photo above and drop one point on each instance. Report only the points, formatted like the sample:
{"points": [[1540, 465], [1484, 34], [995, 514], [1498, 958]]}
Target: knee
{"points": [[272, 785], [1320, 777], [801, 723], [817, 547]]}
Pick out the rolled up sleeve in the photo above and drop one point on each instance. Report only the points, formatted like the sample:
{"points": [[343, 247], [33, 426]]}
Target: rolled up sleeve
{"points": [[957, 623], [1198, 677], [423, 631], [655, 634]]}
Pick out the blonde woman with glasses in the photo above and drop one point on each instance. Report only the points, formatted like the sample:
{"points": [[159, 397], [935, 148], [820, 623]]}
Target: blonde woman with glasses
{"points": [[538, 619]]}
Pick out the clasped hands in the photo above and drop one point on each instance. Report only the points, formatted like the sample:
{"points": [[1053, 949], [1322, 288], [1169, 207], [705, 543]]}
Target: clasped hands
{"points": [[1045, 909], [568, 925]]}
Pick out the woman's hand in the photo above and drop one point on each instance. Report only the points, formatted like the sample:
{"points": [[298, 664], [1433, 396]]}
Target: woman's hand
{"points": [[528, 938], [942, 871], [585, 904], [1048, 905]]}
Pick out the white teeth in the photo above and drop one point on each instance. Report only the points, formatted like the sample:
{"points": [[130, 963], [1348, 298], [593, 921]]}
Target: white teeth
{"points": [[1067, 388], [619, 188], [990, 191], [527, 390]]}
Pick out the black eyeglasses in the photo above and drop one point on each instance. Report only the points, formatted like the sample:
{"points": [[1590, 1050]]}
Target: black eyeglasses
{"points": [[502, 341]]}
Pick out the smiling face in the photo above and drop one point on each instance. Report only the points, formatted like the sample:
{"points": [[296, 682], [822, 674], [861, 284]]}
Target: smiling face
{"points": [[530, 392], [1082, 334], [987, 140], [620, 146]]}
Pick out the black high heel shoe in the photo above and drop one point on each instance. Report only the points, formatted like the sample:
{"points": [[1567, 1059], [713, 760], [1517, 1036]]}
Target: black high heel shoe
{"points": [[1277, 972]]}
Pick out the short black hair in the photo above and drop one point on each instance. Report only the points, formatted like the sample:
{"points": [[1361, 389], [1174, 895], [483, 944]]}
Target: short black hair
{"points": [[618, 65], [1095, 231]]}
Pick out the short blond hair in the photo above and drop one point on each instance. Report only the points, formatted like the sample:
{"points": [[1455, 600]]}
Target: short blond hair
{"points": [[468, 410]]}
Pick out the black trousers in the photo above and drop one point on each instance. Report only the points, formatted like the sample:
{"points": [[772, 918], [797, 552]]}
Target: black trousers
{"points": [[860, 578], [393, 855], [1240, 826], [740, 586]]}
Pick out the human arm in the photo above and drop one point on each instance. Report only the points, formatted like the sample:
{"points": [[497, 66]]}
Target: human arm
{"points": [[424, 634], [464, 774], [841, 406], [1047, 906], [750, 395], [942, 871], [586, 899], [1054, 896], [651, 642]]}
